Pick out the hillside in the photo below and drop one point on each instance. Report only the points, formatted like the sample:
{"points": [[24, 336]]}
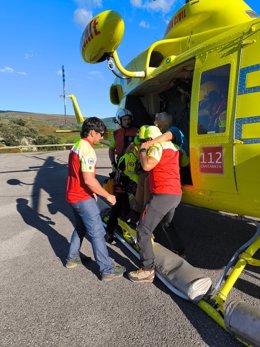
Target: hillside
{"points": [[55, 120], [26, 128]]}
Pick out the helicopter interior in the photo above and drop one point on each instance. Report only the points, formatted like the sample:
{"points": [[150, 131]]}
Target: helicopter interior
{"points": [[169, 92]]}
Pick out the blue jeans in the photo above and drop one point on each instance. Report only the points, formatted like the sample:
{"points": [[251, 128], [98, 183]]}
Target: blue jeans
{"points": [[88, 221]]}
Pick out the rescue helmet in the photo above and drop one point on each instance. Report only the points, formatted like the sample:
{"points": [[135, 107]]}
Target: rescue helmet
{"points": [[152, 132], [121, 113], [163, 120], [141, 132], [206, 88], [139, 137]]}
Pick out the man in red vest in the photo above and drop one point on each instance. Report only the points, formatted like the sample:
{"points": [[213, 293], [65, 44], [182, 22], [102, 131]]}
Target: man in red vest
{"points": [[161, 160], [81, 193]]}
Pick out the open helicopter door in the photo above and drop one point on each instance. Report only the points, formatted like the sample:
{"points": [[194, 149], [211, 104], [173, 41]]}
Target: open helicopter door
{"points": [[212, 124], [247, 123]]}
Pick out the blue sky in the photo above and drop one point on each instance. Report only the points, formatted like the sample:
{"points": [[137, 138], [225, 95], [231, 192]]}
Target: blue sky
{"points": [[39, 36]]}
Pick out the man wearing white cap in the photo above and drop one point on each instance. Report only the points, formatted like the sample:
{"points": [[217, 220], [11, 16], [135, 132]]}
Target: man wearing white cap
{"points": [[161, 160]]}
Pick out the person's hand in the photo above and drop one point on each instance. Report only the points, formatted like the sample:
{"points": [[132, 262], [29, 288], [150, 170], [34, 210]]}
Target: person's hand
{"points": [[130, 148], [95, 196], [146, 144], [111, 199]]}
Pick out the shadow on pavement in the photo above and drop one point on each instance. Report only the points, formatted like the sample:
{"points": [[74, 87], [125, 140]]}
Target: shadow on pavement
{"points": [[51, 178]]}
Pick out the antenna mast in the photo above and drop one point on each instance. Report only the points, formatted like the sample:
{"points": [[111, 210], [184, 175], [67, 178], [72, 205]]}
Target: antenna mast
{"points": [[64, 93]]}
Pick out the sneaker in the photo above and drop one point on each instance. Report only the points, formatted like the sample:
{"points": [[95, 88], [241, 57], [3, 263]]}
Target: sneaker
{"points": [[72, 263], [142, 276], [117, 273]]}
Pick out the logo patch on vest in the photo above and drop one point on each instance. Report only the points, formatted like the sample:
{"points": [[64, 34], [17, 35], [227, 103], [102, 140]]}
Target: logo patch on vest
{"points": [[91, 161]]}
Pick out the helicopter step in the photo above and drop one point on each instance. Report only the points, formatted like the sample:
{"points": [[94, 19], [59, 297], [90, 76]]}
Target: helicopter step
{"points": [[182, 275], [187, 279]]}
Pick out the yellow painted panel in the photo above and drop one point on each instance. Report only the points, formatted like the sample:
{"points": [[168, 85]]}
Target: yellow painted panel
{"points": [[248, 105], [253, 79], [251, 131]]}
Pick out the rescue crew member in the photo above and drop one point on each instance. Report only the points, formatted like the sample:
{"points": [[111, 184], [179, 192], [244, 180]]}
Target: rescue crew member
{"points": [[212, 109], [121, 139], [82, 187], [123, 136], [162, 163], [170, 133]]}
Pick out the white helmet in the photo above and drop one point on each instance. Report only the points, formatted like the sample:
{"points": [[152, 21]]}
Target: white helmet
{"points": [[121, 113], [152, 132]]}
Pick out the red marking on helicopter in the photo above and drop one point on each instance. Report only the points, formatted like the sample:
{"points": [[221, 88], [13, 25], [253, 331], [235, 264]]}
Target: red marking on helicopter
{"points": [[91, 31], [211, 160], [176, 19]]}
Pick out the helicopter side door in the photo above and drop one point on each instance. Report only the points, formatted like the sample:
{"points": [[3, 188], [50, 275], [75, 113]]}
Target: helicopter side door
{"points": [[212, 123]]}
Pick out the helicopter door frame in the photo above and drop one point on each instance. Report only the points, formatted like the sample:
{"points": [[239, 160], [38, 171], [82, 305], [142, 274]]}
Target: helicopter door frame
{"points": [[211, 151], [247, 121]]}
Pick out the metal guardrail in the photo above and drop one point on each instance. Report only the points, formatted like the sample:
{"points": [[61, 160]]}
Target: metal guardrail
{"points": [[22, 148]]}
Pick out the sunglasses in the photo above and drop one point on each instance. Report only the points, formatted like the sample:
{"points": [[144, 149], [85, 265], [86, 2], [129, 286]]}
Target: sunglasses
{"points": [[101, 133]]}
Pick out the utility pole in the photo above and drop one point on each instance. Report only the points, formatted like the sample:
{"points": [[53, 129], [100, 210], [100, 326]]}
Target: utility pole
{"points": [[64, 93]]}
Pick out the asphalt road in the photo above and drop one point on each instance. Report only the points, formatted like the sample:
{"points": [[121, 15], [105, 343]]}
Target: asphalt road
{"points": [[44, 304]]}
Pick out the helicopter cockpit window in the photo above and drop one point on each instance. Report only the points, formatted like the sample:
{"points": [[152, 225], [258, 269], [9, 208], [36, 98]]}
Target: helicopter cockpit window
{"points": [[213, 100]]}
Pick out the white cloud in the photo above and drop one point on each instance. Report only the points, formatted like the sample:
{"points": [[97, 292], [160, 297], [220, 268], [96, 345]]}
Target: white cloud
{"points": [[84, 13], [59, 72], [82, 16], [7, 69], [136, 3], [164, 6], [144, 24], [10, 70], [28, 55]]}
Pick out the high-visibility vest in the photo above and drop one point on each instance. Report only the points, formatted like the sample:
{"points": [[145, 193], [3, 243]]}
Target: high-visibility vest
{"points": [[131, 164]]}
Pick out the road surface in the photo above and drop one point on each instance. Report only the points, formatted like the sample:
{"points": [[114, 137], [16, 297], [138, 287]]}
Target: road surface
{"points": [[44, 304]]}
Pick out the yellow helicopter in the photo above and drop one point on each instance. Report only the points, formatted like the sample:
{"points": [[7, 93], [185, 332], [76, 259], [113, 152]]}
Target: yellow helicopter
{"points": [[78, 115], [205, 72], [209, 50]]}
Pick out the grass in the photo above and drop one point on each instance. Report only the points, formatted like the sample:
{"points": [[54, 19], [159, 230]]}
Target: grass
{"points": [[39, 129]]}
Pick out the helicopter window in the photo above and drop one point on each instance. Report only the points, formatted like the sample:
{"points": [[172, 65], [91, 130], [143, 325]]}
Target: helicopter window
{"points": [[213, 100]]}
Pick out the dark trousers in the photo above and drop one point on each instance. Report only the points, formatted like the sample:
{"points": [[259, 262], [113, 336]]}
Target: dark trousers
{"points": [[120, 209], [161, 207]]}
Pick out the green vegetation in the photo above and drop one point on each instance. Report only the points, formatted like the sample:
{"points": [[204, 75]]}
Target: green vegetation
{"points": [[30, 129]]}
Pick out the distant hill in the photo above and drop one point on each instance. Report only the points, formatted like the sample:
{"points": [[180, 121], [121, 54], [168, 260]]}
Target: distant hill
{"points": [[56, 120], [27, 128]]}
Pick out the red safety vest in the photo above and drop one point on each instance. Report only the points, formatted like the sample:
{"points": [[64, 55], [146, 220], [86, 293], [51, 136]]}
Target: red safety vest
{"points": [[123, 137]]}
